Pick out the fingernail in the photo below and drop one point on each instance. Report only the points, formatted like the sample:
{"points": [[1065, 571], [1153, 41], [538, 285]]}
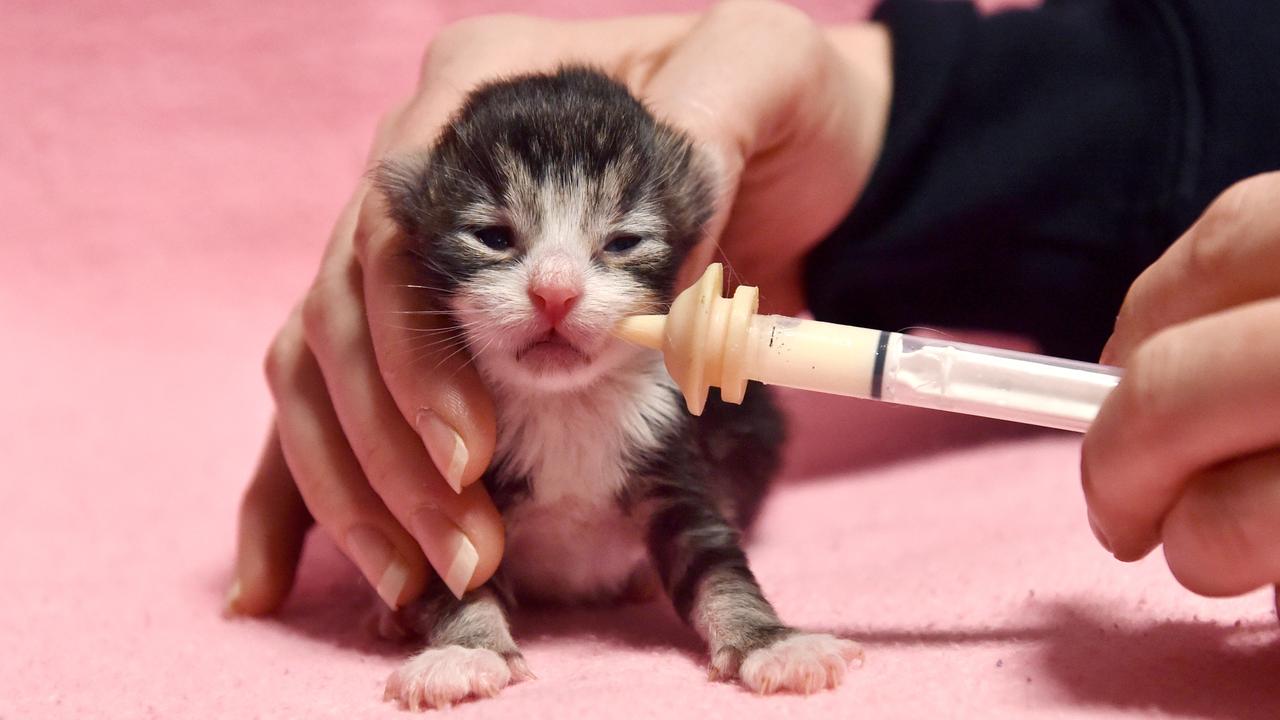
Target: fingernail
{"points": [[450, 551], [445, 446], [1097, 533], [233, 596], [377, 559]]}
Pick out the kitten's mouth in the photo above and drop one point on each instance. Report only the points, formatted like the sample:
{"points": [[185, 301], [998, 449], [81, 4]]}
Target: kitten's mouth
{"points": [[552, 351]]}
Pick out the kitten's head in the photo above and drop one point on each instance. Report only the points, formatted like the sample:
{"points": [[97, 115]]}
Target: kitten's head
{"points": [[553, 206]]}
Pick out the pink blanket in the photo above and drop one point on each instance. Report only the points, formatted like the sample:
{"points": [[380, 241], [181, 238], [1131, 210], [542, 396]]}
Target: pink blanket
{"points": [[168, 172]]}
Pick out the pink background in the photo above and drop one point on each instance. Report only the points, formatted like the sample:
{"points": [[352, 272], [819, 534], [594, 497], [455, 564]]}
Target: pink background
{"points": [[168, 173]]}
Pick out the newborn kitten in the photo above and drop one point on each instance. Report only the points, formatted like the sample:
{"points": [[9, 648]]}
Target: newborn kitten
{"points": [[552, 207]]}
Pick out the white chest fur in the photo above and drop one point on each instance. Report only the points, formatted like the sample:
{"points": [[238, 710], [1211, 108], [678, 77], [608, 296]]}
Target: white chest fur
{"points": [[570, 539]]}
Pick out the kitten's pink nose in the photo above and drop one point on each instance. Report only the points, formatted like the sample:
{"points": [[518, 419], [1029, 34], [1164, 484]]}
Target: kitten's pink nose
{"points": [[553, 300]]}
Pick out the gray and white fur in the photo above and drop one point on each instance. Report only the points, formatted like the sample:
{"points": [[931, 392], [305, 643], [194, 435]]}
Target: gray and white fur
{"points": [[551, 207]]}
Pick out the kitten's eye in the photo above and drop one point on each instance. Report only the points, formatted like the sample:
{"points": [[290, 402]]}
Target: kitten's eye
{"points": [[622, 243], [495, 237]]}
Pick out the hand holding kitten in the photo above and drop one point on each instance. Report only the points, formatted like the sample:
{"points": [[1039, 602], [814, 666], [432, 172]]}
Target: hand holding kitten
{"points": [[377, 428]]}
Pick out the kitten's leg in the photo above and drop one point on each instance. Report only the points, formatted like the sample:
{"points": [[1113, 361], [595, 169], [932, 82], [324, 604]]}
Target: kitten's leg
{"points": [[699, 556], [470, 651]]}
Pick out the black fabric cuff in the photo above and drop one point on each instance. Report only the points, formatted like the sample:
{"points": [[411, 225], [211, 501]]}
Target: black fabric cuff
{"points": [[1025, 175]]}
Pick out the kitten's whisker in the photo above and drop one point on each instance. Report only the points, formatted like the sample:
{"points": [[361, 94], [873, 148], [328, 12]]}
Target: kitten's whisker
{"points": [[735, 279], [474, 354], [426, 343], [421, 328], [421, 338], [446, 358], [435, 344], [433, 334], [419, 287], [438, 338], [426, 353], [418, 329], [470, 325]]}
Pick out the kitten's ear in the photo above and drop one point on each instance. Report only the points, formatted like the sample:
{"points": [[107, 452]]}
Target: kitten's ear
{"points": [[403, 183]]}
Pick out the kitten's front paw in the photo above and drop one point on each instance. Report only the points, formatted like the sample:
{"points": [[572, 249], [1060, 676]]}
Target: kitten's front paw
{"points": [[440, 677], [803, 662]]}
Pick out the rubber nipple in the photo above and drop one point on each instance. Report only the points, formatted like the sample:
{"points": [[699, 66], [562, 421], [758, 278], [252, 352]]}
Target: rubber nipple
{"points": [[703, 338]]}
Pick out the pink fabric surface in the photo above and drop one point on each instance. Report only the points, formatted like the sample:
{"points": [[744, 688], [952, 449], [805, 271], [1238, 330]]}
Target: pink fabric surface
{"points": [[168, 172]]}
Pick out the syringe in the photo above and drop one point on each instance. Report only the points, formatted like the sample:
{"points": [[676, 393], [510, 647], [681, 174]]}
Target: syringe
{"points": [[707, 339]]}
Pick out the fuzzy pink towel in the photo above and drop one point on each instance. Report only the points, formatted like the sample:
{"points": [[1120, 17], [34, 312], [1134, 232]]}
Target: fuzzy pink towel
{"points": [[168, 172]]}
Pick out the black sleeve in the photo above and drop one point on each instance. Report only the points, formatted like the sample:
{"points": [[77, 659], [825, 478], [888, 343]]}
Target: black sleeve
{"points": [[1037, 160]]}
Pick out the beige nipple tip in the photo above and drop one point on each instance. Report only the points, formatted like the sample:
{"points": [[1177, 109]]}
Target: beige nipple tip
{"points": [[643, 330]]}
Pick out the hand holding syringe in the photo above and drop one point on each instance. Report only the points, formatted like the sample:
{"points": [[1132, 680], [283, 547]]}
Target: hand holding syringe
{"points": [[710, 340]]}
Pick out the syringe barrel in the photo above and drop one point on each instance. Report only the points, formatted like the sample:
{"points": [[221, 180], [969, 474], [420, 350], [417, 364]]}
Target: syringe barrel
{"points": [[812, 355], [992, 382], [927, 372]]}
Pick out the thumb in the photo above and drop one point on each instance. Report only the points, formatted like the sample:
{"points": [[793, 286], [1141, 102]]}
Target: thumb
{"points": [[789, 135]]}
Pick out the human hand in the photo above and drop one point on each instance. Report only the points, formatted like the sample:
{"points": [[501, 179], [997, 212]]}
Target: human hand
{"points": [[373, 416], [1186, 450]]}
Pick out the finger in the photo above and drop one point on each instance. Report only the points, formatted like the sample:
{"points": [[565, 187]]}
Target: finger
{"points": [[461, 534], [273, 525], [1227, 258], [330, 479], [1223, 536], [757, 117], [423, 359], [1194, 395]]}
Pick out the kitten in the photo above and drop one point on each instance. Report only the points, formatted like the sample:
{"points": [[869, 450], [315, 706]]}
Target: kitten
{"points": [[553, 206]]}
